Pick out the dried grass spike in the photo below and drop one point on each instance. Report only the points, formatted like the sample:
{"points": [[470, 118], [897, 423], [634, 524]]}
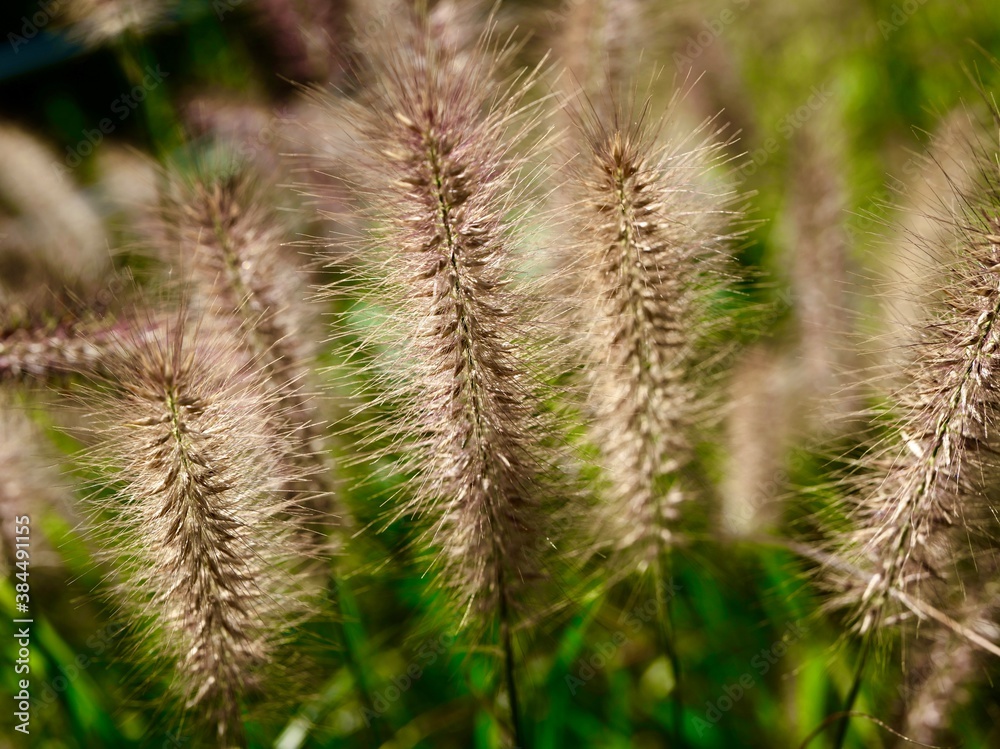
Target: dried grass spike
{"points": [[928, 487], [438, 128], [198, 516], [649, 247]]}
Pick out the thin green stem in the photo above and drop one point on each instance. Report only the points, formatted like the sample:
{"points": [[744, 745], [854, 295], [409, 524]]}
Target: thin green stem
{"points": [[852, 696], [665, 631], [520, 739], [353, 633]]}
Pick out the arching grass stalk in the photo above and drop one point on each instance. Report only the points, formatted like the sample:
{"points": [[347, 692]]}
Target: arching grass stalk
{"points": [[840, 735]]}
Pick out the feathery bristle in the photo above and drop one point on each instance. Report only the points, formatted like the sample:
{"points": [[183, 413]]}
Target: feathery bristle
{"points": [[46, 352], [759, 430], [226, 235], [930, 188], [39, 347]]}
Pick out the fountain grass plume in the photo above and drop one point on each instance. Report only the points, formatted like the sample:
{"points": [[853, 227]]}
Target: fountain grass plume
{"points": [[650, 241], [440, 183], [439, 179], [926, 487], [197, 524]]}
